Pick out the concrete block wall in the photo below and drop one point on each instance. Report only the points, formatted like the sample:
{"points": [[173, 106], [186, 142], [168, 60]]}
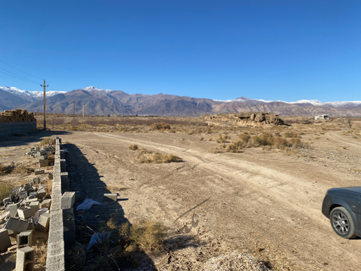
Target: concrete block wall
{"points": [[11, 128], [56, 247]]}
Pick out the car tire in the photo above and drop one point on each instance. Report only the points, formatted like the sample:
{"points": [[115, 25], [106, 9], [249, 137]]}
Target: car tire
{"points": [[342, 222]]}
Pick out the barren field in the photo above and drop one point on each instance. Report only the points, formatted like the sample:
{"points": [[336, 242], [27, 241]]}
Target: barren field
{"points": [[261, 202]]}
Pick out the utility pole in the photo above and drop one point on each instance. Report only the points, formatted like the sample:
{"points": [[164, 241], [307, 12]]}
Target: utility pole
{"points": [[74, 109], [45, 86], [83, 111]]}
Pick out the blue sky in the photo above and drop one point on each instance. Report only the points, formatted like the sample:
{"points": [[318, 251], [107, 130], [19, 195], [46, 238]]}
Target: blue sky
{"points": [[273, 50]]}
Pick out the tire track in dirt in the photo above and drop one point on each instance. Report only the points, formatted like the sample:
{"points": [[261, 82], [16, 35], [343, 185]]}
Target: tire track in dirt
{"points": [[343, 140], [291, 203]]}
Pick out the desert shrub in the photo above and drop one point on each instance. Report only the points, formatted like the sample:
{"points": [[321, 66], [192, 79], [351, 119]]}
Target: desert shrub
{"points": [[133, 147], [244, 137], [279, 142], [22, 169], [146, 156], [222, 138], [47, 141], [160, 126], [41, 250], [291, 134], [234, 147], [74, 122], [201, 138], [4, 169], [295, 142], [5, 189], [147, 236]]}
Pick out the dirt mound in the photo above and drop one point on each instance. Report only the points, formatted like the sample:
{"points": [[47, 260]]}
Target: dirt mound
{"points": [[246, 118], [17, 115]]}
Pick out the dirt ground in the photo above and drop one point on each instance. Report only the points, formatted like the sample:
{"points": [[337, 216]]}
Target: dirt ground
{"points": [[261, 202]]}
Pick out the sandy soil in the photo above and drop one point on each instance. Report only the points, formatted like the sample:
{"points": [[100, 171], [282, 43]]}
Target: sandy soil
{"points": [[256, 201]]}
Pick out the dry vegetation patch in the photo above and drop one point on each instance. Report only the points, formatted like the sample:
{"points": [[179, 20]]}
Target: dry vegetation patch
{"points": [[147, 156], [5, 189]]}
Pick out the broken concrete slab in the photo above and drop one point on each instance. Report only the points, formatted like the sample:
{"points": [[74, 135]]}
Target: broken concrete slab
{"points": [[39, 171], [25, 259], [4, 240], [41, 193], [6, 201], [23, 194], [67, 200], [110, 197], [24, 238]]}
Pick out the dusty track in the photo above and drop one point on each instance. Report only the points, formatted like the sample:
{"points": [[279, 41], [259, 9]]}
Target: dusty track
{"points": [[258, 199]]}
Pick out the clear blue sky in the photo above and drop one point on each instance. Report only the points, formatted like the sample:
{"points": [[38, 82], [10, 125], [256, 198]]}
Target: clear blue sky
{"points": [[274, 50]]}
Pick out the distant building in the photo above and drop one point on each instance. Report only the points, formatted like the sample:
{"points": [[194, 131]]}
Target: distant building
{"points": [[322, 117]]}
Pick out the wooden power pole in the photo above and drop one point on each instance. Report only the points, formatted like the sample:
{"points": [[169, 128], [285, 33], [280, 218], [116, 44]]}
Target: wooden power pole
{"points": [[74, 109], [83, 111], [45, 86]]}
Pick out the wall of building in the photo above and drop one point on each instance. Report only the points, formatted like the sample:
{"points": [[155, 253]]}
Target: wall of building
{"points": [[11, 128]]}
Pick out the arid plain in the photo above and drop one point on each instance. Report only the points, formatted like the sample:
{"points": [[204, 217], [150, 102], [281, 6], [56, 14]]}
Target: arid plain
{"points": [[261, 199]]}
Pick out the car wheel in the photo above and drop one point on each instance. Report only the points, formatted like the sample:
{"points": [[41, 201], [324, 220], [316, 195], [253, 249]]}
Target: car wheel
{"points": [[342, 222]]}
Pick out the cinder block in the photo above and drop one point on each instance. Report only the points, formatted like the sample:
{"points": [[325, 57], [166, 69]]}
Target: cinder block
{"points": [[43, 162], [41, 193], [4, 240], [24, 238], [23, 194], [16, 225], [33, 194], [25, 259], [39, 171], [45, 204], [67, 200], [110, 197], [43, 224], [64, 181], [13, 208], [34, 207], [25, 213]]}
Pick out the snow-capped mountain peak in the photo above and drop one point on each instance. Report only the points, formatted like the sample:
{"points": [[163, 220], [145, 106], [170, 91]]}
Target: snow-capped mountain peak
{"points": [[33, 94], [91, 88]]}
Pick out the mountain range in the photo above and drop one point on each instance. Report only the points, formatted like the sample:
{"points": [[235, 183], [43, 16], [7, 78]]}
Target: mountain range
{"points": [[105, 102]]}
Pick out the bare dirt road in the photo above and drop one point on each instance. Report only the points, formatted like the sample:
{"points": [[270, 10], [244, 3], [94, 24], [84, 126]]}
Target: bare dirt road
{"points": [[257, 200]]}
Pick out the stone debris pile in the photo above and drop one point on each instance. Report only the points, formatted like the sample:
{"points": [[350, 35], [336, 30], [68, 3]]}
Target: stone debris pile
{"points": [[42, 154], [17, 115], [26, 210]]}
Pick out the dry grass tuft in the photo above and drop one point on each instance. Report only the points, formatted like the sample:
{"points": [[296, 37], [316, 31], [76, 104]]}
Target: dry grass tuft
{"points": [[47, 141], [146, 156], [22, 169], [160, 126], [4, 169], [41, 250], [147, 236], [5, 189], [133, 147]]}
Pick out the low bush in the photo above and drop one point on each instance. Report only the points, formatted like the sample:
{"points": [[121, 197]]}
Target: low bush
{"points": [[47, 141], [133, 147], [160, 126], [5, 189]]}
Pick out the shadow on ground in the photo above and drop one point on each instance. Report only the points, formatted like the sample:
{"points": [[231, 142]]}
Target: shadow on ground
{"points": [[28, 138], [86, 182]]}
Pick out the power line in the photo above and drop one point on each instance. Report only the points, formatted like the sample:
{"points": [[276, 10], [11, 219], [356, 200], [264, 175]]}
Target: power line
{"points": [[19, 77], [20, 70]]}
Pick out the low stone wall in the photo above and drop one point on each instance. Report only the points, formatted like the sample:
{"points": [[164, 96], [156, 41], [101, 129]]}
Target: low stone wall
{"points": [[11, 128], [62, 225]]}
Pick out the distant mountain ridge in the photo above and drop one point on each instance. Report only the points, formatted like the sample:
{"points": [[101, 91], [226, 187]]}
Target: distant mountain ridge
{"points": [[105, 102]]}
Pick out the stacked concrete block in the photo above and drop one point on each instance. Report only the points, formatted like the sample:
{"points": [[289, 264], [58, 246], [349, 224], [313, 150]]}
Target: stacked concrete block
{"points": [[25, 213], [36, 180], [55, 258], [4, 240], [25, 259], [25, 238], [67, 200], [41, 193]]}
